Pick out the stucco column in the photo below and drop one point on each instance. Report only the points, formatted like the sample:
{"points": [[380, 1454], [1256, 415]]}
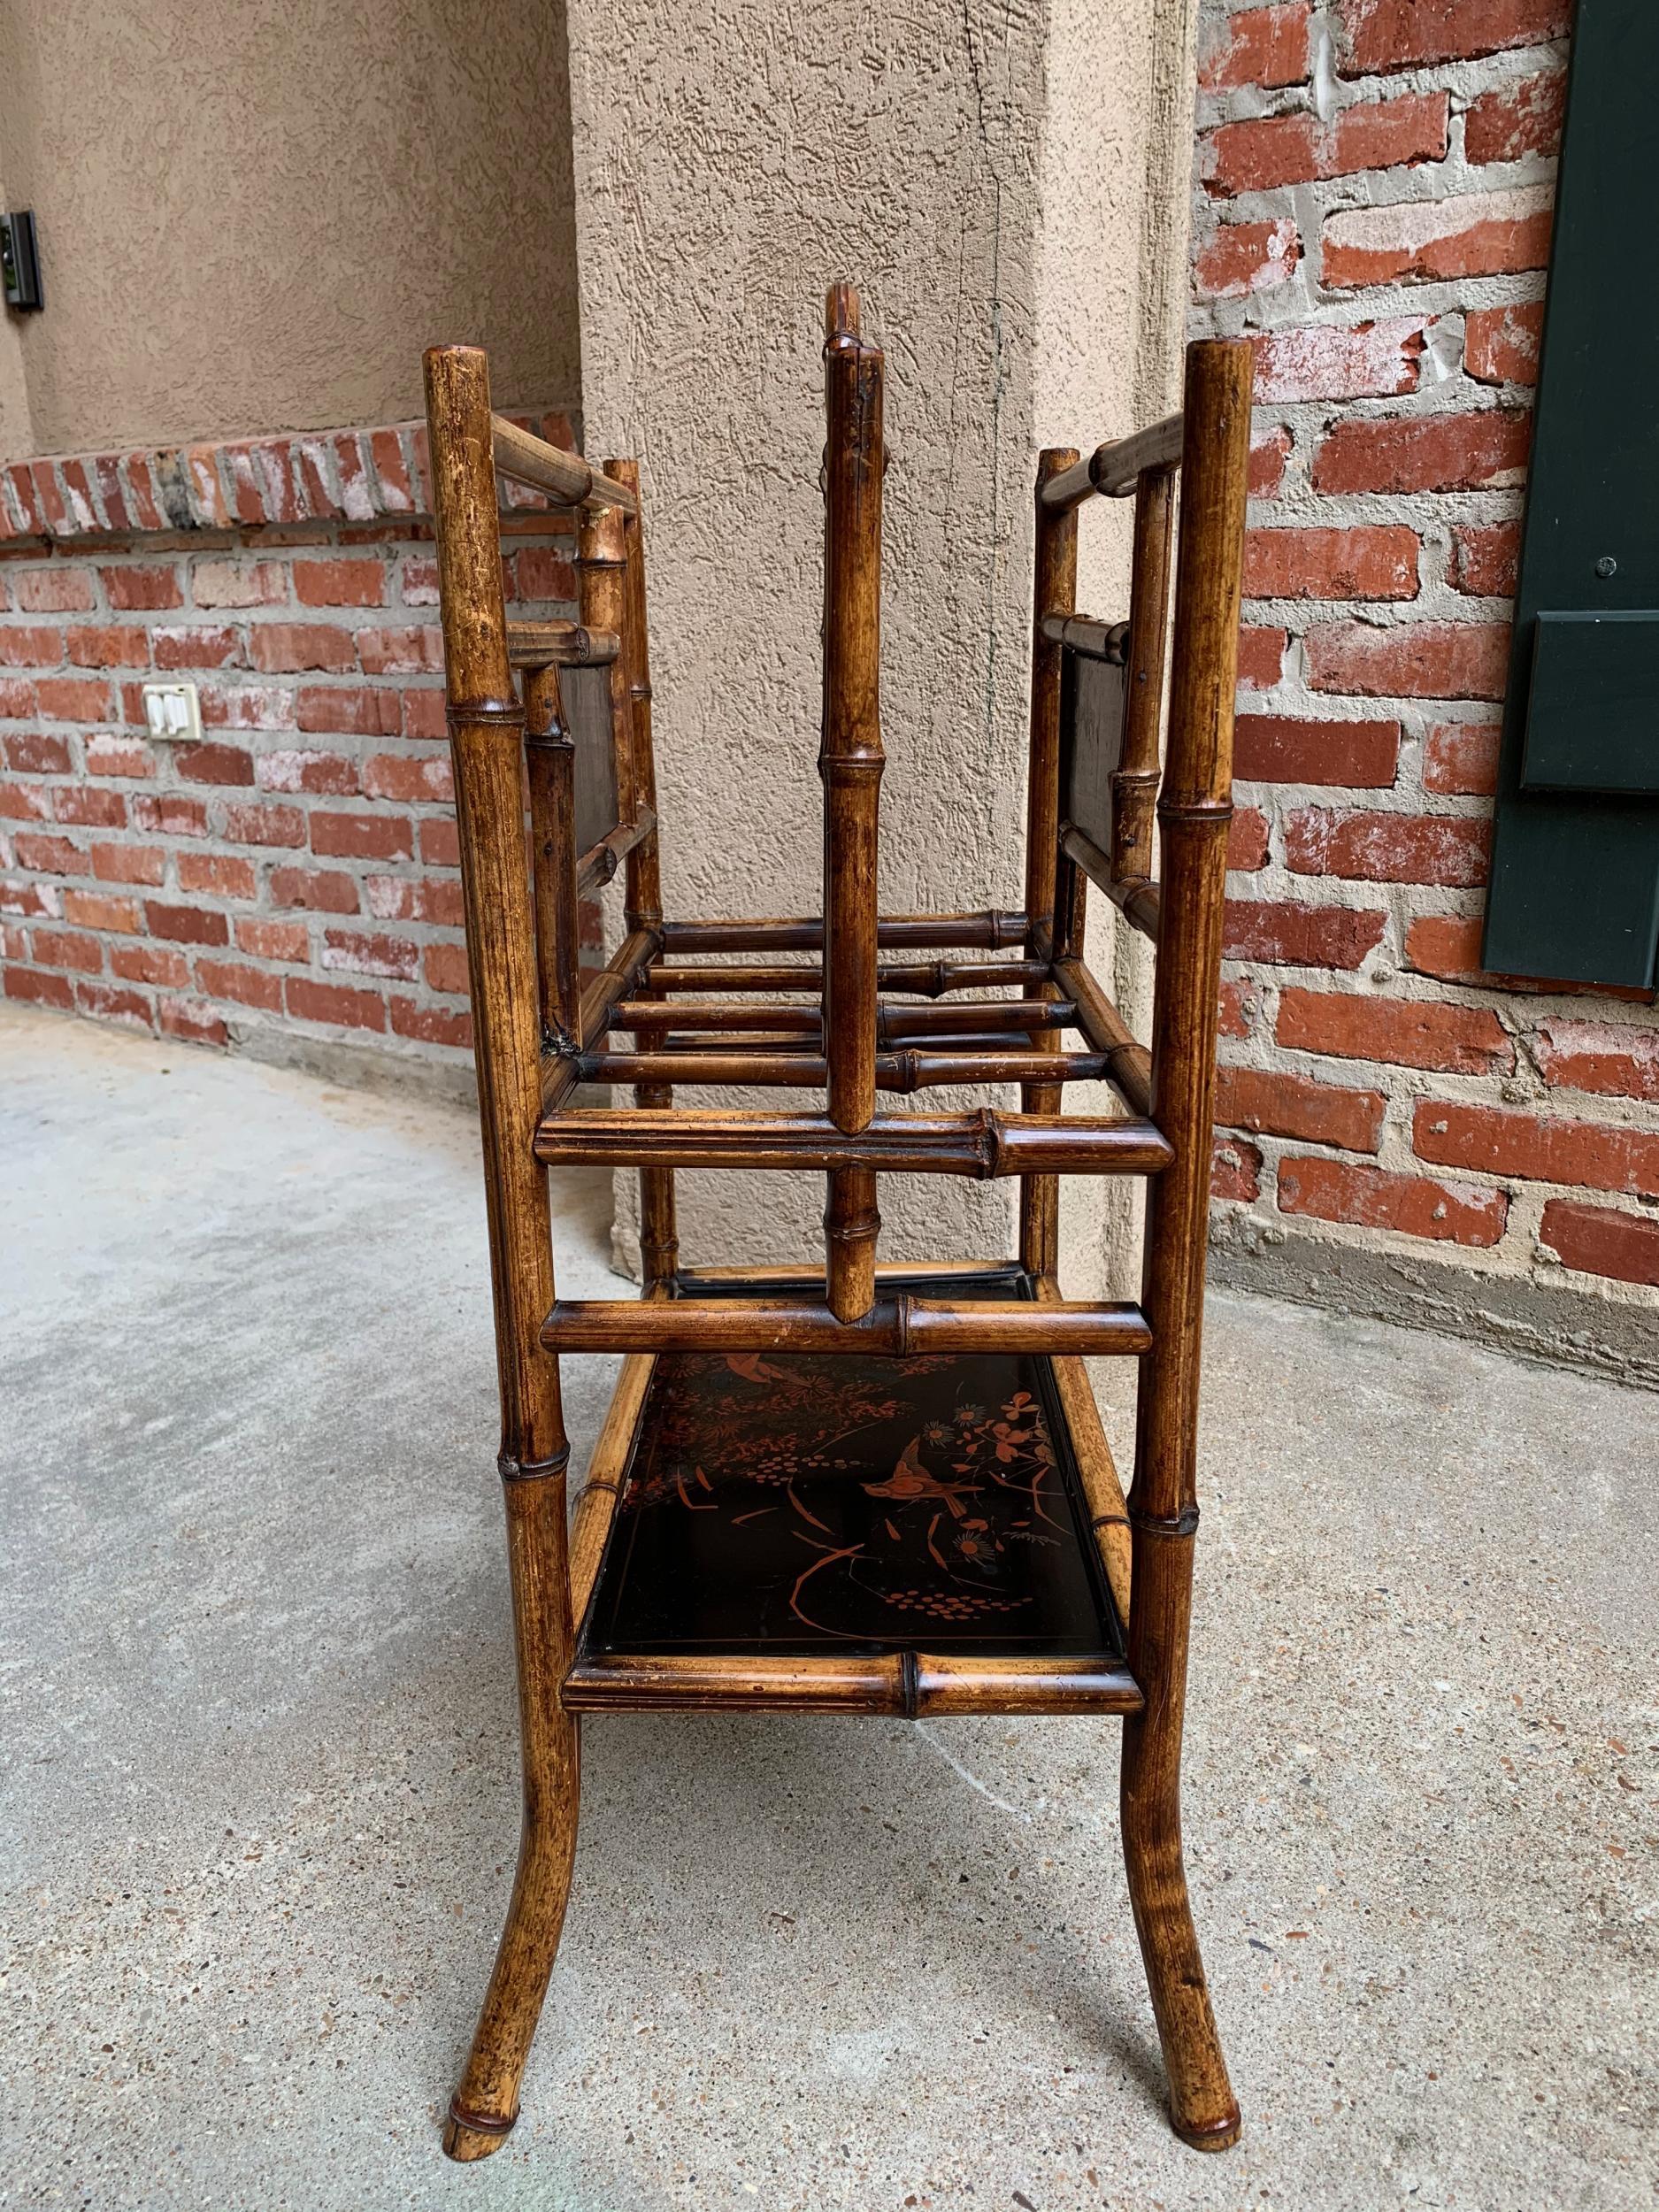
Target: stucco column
{"points": [[1008, 190]]}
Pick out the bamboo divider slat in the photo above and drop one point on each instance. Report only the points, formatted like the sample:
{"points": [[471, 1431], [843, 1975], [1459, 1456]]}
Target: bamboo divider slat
{"points": [[526, 459], [615, 981], [802, 933], [704, 1280], [774, 1042], [935, 979], [981, 1144], [891, 1022], [899, 1071], [766, 1041]]}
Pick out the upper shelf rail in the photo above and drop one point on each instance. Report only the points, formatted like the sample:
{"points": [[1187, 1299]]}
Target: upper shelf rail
{"points": [[527, 459], [1114, 470]]}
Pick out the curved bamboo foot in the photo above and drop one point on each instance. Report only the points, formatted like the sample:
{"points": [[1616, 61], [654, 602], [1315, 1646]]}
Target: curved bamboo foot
{"points": [[486, 2103], [464, 2139], [1204, 2110]]}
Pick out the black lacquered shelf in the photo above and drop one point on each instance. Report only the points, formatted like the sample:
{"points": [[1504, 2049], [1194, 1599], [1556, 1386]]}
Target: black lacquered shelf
{"points": [[779, 1515]]}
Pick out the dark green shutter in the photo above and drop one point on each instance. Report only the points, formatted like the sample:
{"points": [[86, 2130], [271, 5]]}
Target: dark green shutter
{"points": [[1575, 879]]}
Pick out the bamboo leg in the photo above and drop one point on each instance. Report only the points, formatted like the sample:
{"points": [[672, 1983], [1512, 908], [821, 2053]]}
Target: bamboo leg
{"points": [[1193, 812], [1204, 2110], [486, 2103], [486, 735], [1054, 592]]}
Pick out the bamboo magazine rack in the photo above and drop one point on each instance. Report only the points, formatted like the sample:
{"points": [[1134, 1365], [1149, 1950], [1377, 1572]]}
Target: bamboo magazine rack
{"points": [[858, 1488]]}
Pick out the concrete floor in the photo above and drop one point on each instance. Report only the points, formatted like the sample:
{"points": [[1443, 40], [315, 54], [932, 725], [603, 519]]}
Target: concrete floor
{"points": [[260, 1800]]}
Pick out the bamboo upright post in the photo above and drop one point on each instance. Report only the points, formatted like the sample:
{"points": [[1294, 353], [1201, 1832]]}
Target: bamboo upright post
{"points": [[850, 763], [1054, 591], [659, 1237], [550, 767], [1135, 782], [1194, 812], [486, 735], [602, 583]]}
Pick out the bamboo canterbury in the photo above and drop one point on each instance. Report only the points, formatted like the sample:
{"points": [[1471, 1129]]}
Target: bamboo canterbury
{"points": [[541, 1034]]}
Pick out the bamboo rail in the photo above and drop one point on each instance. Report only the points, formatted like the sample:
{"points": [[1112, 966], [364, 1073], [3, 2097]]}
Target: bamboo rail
{"points": [[1082, 633], [1128, 1064], [982, 1145], [903, 1327], [1114, 469], [601, 861], [913, 1685], [527, 459], [560, 645], [1138, 902]]}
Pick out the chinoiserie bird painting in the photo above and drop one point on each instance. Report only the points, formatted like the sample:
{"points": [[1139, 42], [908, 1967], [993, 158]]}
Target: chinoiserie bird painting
{"points": [[911, 1482]]}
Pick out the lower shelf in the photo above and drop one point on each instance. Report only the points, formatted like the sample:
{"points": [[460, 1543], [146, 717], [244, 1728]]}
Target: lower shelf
{"points": [[856, 1533]]}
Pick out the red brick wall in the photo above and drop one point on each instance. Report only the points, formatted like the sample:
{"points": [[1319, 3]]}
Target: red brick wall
{"points": [[298, 867], [1373, 188]]}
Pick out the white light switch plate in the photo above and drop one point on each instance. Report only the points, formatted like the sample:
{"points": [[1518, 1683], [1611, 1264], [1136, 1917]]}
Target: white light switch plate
{"points": [[173, 711]]}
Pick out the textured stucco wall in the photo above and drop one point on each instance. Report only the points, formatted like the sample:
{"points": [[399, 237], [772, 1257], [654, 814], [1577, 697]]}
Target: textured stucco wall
{"points": [[1111, 273], [983, 175], [15, 437], [253, 218]]}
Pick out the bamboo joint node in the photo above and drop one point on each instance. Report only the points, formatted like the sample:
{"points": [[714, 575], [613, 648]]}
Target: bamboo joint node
{"points": [[1206, 812], [1182, 1524], [511, 1469], [507, 712]]}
